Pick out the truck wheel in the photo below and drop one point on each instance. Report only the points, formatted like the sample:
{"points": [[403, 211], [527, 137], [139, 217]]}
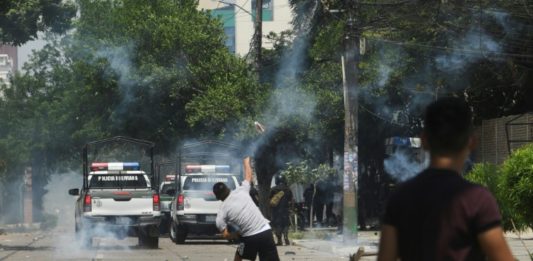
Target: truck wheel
{"points": [[148, 241], [172, 230], [181, 234]]}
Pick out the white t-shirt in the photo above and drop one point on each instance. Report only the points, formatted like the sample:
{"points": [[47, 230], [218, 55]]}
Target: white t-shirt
{"points": [[239, 210]]}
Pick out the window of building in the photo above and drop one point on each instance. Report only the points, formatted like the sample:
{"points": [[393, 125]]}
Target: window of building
{"points": [[227, 17], [230, 38], [268, 10]]}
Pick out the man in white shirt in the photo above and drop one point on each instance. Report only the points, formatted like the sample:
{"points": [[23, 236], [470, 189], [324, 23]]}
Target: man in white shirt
{"points": [[239, 214]]}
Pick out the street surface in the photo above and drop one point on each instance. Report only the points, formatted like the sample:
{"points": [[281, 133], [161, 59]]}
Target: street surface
{"points": [[61, 245]]}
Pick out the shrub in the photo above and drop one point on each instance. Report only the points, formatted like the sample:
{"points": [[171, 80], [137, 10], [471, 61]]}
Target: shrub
{"points": [[489, 175], [516, 186], [485, 174]]}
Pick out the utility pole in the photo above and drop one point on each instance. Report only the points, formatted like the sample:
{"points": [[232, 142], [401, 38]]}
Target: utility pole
{"points": [[351, 157], [258, 35]]}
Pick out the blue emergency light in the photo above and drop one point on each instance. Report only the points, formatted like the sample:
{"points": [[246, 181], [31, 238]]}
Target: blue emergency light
{"points": [[96, 166], [207, 169]]}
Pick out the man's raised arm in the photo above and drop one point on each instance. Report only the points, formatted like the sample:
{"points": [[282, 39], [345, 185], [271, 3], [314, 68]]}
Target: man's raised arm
{"points": [[247, 169]]}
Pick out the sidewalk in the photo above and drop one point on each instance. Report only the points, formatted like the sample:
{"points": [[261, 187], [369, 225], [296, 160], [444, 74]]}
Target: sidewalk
{"points": [[18, 228], [327, 240]]}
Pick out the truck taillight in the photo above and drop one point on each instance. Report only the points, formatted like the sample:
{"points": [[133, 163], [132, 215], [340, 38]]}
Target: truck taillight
{"points": [[181, 199], [155, 200], [87, 206]]}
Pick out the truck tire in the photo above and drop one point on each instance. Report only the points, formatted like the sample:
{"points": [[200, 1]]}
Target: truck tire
{"points": [[177, 233], [148, 241], [172, 231], [181, 234]]}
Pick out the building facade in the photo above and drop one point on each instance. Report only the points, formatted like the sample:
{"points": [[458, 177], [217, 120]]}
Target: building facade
{"points": [[238, 17], [8, 62]]}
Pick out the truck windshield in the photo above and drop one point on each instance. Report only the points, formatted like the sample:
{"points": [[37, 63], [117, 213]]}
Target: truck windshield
{"points": [[207, 182], [118, 181]]}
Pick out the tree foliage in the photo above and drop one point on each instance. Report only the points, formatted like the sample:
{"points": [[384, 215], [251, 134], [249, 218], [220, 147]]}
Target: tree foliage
{"points": [[414, 52], [151, 70], [21, 20]]}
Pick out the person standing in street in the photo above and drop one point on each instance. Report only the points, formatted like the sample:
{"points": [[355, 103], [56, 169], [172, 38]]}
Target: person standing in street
{"points": [[438, 215], [240, 217], [280, 202]]}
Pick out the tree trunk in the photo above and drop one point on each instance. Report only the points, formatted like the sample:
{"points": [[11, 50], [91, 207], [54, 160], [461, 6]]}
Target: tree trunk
{"points": [[265, 170], [311, 208]]}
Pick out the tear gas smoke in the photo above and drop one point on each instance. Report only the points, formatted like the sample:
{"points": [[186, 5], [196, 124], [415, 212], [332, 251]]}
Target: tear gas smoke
{"points": [[289, 100], [421, 86], [402, 167], [59, 204]]}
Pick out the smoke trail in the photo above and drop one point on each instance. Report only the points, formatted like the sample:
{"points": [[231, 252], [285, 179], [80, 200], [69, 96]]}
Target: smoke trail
{"points": [[401, 166], [290, 102]]}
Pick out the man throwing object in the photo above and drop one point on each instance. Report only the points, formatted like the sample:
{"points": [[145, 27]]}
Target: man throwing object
{"points": [[239, 215]]}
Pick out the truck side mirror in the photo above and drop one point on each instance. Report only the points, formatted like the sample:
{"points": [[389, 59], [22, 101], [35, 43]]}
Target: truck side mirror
{"points": [[171, 192], [74, 192]]}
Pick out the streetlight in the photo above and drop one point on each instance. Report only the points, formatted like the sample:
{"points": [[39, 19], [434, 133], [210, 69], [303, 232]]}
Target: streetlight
{"points": [[236, 5]]}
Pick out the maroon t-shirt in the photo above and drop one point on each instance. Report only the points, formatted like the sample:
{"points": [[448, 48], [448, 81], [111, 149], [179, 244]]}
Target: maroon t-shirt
{"points": [[438, 216]]}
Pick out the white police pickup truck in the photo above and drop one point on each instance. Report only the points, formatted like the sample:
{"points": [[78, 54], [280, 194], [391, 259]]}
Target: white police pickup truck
{"points": [[117, 200], [194, 208]]}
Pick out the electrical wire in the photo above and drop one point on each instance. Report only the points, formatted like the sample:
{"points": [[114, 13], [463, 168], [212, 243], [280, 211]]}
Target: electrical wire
{"points": [[464, 51]]}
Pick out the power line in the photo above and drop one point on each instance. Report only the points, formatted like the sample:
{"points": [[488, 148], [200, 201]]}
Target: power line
{"points": [[464, 51]]}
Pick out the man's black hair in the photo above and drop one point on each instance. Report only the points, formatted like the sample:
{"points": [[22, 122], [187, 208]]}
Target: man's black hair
{"points": [[221, 191], [448, 126]]}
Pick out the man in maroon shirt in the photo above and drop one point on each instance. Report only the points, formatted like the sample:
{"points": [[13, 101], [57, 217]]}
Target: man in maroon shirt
{"points": [[438, 215]]}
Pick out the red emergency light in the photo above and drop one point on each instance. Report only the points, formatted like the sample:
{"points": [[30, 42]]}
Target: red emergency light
{"points": [[95, 166], [207, 169]]}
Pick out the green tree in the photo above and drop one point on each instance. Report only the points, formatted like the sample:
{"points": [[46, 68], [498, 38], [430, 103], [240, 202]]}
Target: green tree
{"points": [[21, 20], [415, 52], [145, 69]]}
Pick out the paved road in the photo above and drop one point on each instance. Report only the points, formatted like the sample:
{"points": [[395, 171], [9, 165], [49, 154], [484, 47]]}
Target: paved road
{"points": [[60, 245]]}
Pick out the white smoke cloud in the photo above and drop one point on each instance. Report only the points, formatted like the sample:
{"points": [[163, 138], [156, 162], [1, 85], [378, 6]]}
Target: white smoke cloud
{"points": [[474, 46], [401, 166], [57, 202]]}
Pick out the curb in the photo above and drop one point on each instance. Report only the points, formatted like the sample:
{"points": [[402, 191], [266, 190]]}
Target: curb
{"points": [[342, 251], [19, 228]]}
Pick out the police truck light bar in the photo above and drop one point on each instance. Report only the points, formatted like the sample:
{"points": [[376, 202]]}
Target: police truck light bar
{"points": [[207, 169], [95, 166]]}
